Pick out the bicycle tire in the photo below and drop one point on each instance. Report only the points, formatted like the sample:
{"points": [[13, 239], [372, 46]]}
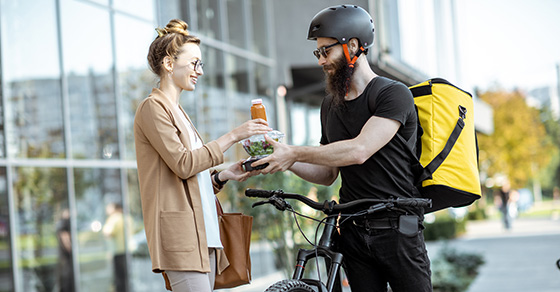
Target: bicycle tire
{"points": [[290, 286]]}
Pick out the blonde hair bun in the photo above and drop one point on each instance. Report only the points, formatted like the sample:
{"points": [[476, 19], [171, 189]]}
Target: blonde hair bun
{"points": [[174, 26], [177, 26]]}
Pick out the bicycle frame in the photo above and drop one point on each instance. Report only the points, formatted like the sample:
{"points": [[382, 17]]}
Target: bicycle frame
{"points": [[323, 249], [333, 259]]}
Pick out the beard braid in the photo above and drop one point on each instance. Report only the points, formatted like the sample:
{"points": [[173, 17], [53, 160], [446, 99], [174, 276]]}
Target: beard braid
{"points": [[338, 83]]}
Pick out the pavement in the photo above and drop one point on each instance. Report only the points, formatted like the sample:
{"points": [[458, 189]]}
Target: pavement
{"points": [[520, 259]]}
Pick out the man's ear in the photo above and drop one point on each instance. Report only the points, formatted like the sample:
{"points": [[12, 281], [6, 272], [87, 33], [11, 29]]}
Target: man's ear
{"points": [[168, 63], [353, 46]]}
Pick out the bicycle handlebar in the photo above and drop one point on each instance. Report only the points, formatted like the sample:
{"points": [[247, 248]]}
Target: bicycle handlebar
{"points": [[330, 207]]}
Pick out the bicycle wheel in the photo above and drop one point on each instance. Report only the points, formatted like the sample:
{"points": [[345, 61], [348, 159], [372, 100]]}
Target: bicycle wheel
{"points": [[290, 286]]}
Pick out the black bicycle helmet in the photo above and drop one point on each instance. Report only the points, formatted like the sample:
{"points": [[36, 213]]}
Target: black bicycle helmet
{"points": [[343, 22]]}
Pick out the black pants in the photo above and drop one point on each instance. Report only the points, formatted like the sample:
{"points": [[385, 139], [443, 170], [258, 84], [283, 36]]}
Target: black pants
{"points": [[121, 276], [376, 257]]}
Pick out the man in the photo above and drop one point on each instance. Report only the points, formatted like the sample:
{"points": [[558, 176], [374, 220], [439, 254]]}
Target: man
{"points": [[367, 122], [114, 229]]}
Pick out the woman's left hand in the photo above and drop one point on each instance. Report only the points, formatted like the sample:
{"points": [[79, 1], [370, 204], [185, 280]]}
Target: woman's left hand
{"points": [[236, 172]]}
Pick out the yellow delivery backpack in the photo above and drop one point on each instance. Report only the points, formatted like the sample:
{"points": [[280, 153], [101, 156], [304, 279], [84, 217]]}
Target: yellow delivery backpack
{"points": [[447, 147]]}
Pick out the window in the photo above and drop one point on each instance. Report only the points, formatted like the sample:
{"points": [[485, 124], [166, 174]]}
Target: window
{"points": [[6, 283], [134, 79], [101, 225], [236, 17], [208, 15], [43, 227], [31, 72], [88, 64]]}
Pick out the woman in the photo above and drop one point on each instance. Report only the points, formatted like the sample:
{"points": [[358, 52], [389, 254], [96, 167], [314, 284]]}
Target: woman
{"points": [[177, 190]]}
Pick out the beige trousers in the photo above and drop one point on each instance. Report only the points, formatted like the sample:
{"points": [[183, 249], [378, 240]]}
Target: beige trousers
{"points": [[183, 281]]}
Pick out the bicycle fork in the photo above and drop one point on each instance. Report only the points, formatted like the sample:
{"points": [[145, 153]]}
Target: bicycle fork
{"points": [[333, 260]]}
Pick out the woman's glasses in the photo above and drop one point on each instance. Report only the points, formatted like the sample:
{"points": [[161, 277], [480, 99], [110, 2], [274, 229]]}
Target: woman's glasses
{"points": [[322, 51], [198, 65]]}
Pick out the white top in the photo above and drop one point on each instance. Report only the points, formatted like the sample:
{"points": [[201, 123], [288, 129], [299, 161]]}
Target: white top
{"points": [[207, 195]]}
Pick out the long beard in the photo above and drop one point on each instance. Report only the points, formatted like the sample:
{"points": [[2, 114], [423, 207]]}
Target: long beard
{"points": [[338, 82]]}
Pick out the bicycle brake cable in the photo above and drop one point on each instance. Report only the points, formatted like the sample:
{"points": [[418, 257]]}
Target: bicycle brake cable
{"points": [[299, 227]]}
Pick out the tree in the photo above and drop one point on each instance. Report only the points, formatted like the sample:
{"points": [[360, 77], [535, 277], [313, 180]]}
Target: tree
{"points": [[550, 177], [519, 147]]}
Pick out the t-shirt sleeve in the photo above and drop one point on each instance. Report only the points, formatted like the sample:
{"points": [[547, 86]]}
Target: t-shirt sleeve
{"points": [[394, 102]]}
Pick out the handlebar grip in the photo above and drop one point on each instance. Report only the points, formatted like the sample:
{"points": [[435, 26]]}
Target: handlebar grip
{"points": [[414, 202], [254, 193]]}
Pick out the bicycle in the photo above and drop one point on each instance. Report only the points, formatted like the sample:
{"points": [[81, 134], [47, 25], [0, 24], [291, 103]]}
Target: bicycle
{"points": [[324, 249]]}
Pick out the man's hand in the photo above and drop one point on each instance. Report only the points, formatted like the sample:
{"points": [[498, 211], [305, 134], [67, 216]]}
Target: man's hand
{"points": [[281, 159]]}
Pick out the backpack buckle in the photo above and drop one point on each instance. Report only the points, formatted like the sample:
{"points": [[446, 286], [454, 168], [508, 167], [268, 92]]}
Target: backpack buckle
{"points": [[462, 112]]}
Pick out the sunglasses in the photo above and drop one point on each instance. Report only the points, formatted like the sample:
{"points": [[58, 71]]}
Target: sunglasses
{"points": [[322, 51]]}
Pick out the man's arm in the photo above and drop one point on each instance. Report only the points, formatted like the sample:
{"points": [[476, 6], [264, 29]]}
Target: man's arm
{"points": [[375, 134], [317, 174]]}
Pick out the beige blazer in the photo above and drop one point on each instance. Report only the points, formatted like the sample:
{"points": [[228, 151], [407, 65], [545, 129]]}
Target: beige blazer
{"points": [[171, 204]]}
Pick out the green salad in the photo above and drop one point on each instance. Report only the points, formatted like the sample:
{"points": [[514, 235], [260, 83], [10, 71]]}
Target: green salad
{"points": [[258, 146]]}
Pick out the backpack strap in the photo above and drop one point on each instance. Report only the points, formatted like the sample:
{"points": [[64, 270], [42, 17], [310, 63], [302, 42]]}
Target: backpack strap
{"points": [[438, 160]]}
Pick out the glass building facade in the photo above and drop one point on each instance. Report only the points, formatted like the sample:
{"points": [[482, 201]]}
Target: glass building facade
{"points": [[72, 73]]}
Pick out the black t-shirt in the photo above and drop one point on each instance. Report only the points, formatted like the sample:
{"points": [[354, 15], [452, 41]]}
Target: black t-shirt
{"points": [[388, 172]]}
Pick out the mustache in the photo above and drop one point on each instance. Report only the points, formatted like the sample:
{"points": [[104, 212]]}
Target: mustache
{"points": [[326, 68]]}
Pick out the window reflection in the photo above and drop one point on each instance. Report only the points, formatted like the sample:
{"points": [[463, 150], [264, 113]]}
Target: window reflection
{"points": [[263, 79], [93, 120], [101, 227], [31, 74], [208, 15], [134, 79], [213, 67], [260, 27], [169, 9], [141, 8], [238, 75], [236, 22], [6, 282], [42, 234]]}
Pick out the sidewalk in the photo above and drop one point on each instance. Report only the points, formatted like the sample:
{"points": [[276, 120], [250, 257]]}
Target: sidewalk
{"points": [[520, 259], [520, 227]]}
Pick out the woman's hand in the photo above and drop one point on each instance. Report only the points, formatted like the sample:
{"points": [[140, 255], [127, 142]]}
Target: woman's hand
{"points": [[250, 128], [245, 130], [236, 172]]}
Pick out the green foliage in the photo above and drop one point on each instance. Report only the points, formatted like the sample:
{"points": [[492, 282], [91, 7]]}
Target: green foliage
{"points": [[453, 271], [519, 147], [477, 211], [444, 227], [550, 176], [477, 214]]}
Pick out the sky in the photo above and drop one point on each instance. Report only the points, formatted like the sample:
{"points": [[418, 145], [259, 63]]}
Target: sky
{"points": [[509, 43]]}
